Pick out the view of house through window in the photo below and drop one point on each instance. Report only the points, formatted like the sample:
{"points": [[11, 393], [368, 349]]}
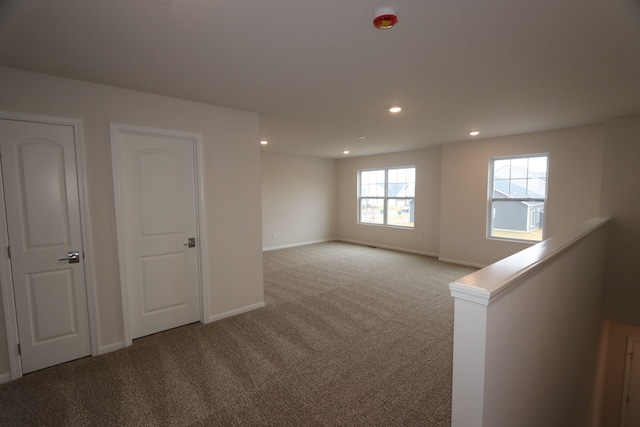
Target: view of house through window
{"points": [[387, 196], [517, 197]]}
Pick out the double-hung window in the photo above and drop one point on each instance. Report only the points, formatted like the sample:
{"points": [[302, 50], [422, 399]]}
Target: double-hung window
{"points": [[387, 196], [517, 197]]}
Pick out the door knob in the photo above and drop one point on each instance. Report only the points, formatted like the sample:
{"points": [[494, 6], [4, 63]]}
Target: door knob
{"points": [[191, 242], [72, 256]]}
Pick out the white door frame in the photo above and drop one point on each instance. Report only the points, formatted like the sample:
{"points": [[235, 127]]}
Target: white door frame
{"points": [[627, 378], [6, 280], [203, 282]]}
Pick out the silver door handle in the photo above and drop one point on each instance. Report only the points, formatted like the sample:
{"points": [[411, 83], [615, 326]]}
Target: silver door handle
{"points": [[191, 242], [72, 256]]}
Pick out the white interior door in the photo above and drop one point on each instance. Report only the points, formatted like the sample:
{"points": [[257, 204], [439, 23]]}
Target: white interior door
{"points": [[43, 220], [157, 218]]}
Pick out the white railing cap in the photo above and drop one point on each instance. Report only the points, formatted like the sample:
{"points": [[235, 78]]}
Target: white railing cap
{"points": [[490, 283]]}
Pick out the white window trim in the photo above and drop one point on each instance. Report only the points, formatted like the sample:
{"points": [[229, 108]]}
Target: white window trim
{"points": [[491, 199], [385, 198]]}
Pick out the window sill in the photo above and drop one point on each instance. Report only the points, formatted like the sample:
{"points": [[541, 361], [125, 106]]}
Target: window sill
{"points": [[400, 227]]}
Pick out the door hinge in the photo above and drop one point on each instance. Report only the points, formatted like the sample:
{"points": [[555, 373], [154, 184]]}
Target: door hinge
{"points": [[19, 350], [9, 251]]}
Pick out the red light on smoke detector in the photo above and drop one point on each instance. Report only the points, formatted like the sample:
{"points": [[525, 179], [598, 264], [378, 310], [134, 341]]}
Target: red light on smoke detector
{"points": [[385, 18]]}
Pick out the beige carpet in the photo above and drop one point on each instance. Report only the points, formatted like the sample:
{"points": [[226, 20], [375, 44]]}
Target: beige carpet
{"points": [[350, 336]]}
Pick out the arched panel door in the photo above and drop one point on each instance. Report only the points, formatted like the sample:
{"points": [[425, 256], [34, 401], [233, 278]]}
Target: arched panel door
{"points": [[43, 220], [157, 217]]}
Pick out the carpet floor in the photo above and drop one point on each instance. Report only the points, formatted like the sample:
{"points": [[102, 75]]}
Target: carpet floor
{"points": [[350, 336]]}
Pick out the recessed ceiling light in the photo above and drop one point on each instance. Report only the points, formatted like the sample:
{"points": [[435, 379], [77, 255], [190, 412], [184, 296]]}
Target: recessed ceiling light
{"points": [[264, 142], [346, 152], [474, 133], [361, 137], [395, 109]]}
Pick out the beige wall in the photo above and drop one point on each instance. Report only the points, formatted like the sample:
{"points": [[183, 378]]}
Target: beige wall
{"points": [[298, 199], [232, 187], [525, 353], [621, 200], [574, 182], [422, 239]]}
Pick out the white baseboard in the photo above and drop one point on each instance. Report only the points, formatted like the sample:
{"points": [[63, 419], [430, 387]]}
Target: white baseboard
{"points": [[111, 347], [120, 344], [235, 312], [466, 264], [293, 245], [5, 378], [393, 248]]}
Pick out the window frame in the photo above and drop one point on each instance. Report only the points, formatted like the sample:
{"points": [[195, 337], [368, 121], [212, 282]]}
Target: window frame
{"points": [[385, 198], [491, 199]]}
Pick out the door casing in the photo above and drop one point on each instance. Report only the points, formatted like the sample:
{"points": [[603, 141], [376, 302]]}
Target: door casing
{"points": [[6, 281], [116, 129], [627, 385]]}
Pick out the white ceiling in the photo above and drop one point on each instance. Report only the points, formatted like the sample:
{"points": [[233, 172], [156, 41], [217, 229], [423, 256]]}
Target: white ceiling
{"points": [[320, 74]]}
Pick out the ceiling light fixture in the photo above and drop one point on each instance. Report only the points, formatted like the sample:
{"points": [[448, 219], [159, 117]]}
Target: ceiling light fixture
{"points": [[385, 18], [264, 142], [395, 109], [474, 133], [346, 152], [361, 137]]}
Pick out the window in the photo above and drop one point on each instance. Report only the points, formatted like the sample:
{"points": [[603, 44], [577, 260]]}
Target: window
{"points": [[517, 196], [387, 196]]}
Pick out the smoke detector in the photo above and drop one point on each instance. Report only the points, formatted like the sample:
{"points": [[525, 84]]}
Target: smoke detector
{"points": [[385, 18]]}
